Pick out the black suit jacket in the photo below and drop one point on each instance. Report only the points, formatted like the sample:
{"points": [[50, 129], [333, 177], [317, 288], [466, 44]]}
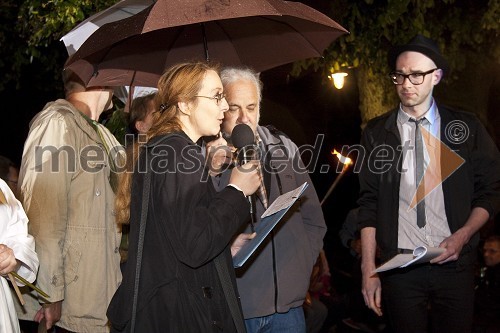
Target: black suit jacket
{"points": [[476, 183]]}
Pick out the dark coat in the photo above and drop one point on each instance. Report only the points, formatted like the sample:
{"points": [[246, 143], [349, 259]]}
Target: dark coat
{"points": [[188, 225], [476, 183]]}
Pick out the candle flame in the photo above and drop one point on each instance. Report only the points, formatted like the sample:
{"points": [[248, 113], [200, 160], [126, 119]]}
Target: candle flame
{"points": [[343, 159]]}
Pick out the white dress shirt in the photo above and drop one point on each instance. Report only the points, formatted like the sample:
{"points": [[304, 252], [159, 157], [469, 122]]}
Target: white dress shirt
{"points": [[436, 228]]}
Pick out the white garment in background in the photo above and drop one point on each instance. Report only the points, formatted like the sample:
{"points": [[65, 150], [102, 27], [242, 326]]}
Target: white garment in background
{"points": [[14, 234]]}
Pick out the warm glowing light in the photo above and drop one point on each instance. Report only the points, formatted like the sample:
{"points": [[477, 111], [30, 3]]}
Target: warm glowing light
{"points": [[343, 159], [338, 79]]}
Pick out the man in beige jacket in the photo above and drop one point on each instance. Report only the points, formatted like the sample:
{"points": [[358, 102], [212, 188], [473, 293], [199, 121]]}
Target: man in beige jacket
{"points": [[67, 177]]}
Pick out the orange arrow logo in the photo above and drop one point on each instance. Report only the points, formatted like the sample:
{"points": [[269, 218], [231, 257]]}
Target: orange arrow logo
{"points": [[443, 162]]}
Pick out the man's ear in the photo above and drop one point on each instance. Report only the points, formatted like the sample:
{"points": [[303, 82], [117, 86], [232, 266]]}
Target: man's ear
{"points": [[184, 108], [438, 75]]}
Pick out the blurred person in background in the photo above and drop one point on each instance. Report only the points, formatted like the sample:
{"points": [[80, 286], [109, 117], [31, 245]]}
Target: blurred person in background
{"points": [[9, 173], [141, 114], [67, 182], [487, 297], [140, 120]]}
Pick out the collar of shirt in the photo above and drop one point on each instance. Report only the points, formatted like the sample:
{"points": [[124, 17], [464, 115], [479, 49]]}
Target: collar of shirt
{"points": [[430, 115]]}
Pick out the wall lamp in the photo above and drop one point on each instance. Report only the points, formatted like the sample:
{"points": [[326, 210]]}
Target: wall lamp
{"points": [[338, 79]]}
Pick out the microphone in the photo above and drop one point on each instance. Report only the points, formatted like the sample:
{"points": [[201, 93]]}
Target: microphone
{"points": [[248, 150], [243, 140]]}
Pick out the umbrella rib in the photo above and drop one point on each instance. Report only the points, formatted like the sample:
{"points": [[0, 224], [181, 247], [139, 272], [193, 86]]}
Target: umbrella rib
{"points": [[227, 35], [293, 28], [105, 54], [269, 19], [174, 40]]}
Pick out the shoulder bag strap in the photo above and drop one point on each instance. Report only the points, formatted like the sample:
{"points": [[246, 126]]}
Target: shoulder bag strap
{"points": [[228, 289], [142, 229]]}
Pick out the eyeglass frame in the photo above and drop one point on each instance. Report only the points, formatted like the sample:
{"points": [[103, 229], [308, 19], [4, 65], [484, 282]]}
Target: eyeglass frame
{"points": [[217, 98], [407, 76]]}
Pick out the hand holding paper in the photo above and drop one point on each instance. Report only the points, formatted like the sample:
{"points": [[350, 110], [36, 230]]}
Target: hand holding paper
{"points": [[420, 254], [268, 221], [240, 241]]}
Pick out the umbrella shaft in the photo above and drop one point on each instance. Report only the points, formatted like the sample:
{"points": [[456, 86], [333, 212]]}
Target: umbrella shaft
{"points": [[205, 43]]}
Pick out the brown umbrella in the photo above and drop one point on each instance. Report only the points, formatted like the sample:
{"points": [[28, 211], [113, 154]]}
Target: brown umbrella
{"points": [[257, 33]]}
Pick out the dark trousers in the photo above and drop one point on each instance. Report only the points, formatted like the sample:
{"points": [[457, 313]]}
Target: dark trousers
{"points": [[429, 298]]}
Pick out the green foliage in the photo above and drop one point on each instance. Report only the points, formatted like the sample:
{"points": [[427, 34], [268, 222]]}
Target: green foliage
{"points": [[376, 26], [8, 41], [30, 34], [45, 21], [117, 123]]}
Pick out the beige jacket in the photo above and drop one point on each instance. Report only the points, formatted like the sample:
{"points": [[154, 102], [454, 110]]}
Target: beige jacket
{"points": [[65, 189]]}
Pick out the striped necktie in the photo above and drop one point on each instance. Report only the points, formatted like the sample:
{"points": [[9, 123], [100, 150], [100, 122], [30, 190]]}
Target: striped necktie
{"points": [[261, 191]]}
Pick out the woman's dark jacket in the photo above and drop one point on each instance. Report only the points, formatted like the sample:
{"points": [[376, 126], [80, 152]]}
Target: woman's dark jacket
{"points": [[188, 225]]}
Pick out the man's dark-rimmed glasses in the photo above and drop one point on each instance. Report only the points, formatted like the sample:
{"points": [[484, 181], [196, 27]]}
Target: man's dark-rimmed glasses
{"points": [[415, 78]]}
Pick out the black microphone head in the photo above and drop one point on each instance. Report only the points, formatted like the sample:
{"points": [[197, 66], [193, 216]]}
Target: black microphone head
{"points": [[242, 136]]}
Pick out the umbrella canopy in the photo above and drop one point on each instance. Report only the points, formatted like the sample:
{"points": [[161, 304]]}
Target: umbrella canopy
{"points": [[257, 33], [123, 9], [78, 35]]}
